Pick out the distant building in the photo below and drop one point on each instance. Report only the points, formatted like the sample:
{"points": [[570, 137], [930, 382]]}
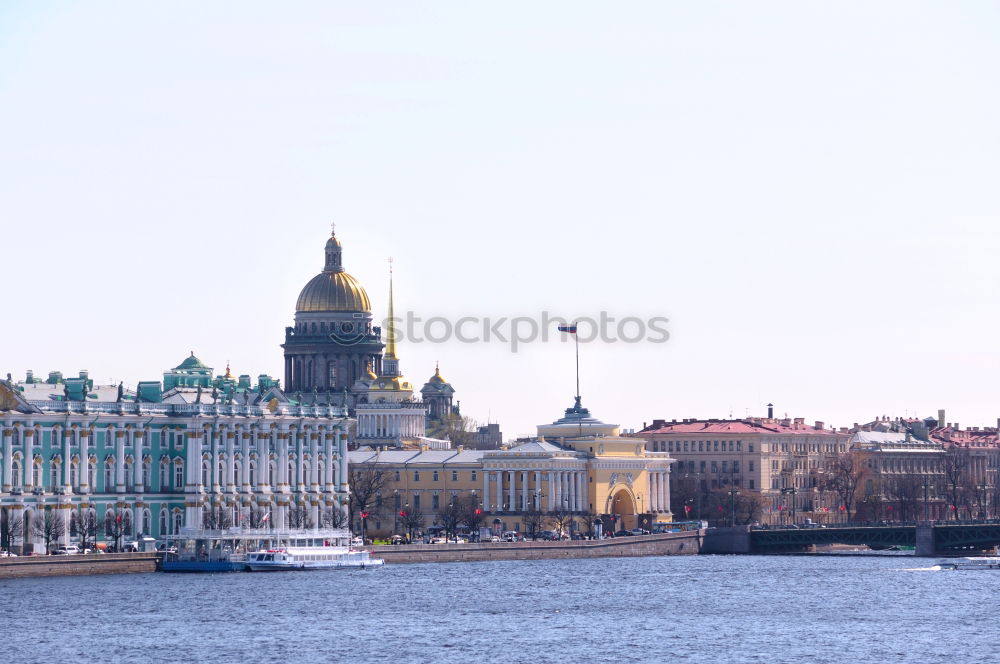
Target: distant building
{"points": [[776, 464], [577, 465], [206, 448]]}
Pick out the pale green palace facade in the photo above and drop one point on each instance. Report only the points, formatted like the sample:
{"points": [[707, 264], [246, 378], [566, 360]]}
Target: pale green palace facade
{"points": [[164, 459]]}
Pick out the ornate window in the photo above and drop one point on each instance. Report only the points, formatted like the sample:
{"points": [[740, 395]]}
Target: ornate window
{"points": [[204, 473], [147, 521], [178, 522], [74, 473], [109, 475], [163, 522], [36, 474], [146, 464], [178, 475], [15, 480]]}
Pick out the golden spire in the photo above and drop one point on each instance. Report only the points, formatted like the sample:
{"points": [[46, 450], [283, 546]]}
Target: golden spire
{"points": [[390, 334]]}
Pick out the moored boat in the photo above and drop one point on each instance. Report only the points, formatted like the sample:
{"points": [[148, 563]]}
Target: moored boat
{"points": [[311, 550], [976, 562]]}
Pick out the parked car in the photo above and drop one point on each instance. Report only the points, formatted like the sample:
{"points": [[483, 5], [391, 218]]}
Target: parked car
{"points": [[509, 536], [7, 554], [493, 538], [549, 535], [69, 550], [639, 531], [623, 533]]}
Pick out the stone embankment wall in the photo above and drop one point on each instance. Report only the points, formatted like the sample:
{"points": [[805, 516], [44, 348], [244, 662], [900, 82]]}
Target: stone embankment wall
{"points": [[643, 545], [109, 563]]}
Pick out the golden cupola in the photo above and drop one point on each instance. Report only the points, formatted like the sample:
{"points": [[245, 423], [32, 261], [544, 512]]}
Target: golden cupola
{"points": [[333, 289]]}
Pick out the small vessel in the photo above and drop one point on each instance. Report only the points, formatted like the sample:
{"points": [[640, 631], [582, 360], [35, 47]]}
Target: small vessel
{"points": [[311, 550], [976, 562], [198, 550]]}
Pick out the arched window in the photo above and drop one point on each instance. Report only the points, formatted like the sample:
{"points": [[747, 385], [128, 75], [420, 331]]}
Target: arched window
{"points": [[178, 475], [109, 475], [74, 473], [146, 463], [128, 475], [272, 472], [253, 474], [222, 473], [15, 480], [54, 474], [92, 475], [204, 473], [319, 472], [237, 472], [163, 523], [147, 519], [178, 522], [164, 476], [292, 479], [36, 474], [306, 477]]}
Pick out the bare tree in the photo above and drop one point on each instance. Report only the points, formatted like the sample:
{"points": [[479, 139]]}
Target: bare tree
{"points": [[256, 517], [906, 490], [216, 518], [533, 519], [83, 525], [749, 507], [450, 516], [955, 466], [117, 525], [298, 517], [49, 527], [561, 520], [470, 512], [332, 517], [412, 520], [367, 483], [11, 528], [845, 476]]}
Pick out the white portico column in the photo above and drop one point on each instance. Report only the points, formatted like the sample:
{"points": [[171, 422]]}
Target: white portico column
{"points": [[552, 490], [665, 491], [524, 491], [229, 482], [8, 459], [536, 496], [499, 485], [486, 490], [581, 502], [511, 479], [654, 493], [120, 461], [67, 462]]}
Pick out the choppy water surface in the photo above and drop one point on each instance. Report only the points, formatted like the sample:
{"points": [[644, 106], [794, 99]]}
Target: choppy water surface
{"points": [[686, 608]]}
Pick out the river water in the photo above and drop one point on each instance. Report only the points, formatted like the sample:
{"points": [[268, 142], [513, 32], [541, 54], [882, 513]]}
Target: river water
{"points": [[682, 608]]}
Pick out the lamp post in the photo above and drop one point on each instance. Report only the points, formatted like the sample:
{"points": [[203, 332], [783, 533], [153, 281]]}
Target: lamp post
{"points": [[395, 510], [981, 488], [790, 490], [926, 487], [732, 507]]}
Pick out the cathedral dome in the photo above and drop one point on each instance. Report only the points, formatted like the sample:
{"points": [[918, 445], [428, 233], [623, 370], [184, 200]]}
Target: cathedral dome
{"points": [[333, 289]]}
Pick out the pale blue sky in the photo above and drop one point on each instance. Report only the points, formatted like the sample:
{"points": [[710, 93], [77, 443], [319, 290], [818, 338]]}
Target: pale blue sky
{"points": [[807, 190]]}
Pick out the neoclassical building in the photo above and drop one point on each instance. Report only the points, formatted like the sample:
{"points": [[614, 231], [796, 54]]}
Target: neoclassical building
{"points": [[333, 342], [164, 459], [577, 464]]}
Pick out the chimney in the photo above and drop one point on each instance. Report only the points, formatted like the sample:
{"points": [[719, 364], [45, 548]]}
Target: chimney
{"points": [[770, 411], [940, 421], [819, 425], [30, 377]]}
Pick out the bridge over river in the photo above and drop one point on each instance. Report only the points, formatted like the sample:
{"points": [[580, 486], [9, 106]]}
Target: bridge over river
{"points": [[929, 539]]}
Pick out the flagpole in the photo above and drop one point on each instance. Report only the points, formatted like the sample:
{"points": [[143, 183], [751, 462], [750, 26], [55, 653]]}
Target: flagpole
{"points": [[576, 341]]}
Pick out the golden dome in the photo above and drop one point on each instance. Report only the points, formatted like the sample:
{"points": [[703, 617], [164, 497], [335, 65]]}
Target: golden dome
{"points": [[333, 291]]}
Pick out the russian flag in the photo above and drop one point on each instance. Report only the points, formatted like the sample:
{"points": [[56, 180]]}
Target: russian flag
{"points": [[568, 328]]}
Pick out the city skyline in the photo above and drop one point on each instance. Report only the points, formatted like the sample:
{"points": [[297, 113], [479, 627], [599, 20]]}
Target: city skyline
{"points": [[804, 192]]}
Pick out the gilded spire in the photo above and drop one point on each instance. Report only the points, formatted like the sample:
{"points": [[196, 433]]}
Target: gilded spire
{"points": [[390, 334]]}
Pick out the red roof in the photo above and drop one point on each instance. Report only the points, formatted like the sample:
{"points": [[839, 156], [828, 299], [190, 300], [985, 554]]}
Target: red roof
{"points": [[762, 426]]}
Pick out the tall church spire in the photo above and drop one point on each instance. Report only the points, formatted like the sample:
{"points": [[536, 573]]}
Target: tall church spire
{"points": [[390, 334]]}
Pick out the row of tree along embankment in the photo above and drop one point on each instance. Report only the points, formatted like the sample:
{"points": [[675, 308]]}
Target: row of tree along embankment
{"points": [[73, 565], [641, 545]]}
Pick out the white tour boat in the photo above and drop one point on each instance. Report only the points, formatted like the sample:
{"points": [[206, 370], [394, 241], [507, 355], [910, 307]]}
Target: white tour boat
{"points": [[307, 550], [977, 562]]}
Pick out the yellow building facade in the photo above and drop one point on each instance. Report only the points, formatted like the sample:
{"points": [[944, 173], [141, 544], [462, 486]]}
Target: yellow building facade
{"points": [[577, 465]]}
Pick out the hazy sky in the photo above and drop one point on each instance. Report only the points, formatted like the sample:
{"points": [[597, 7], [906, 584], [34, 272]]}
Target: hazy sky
{"points": [[808, 191]]}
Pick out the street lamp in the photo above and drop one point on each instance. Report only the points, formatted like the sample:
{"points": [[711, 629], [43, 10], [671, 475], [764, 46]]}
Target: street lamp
{"points": [[790, 490], [732, 507], [926, 487], [982, 488]]}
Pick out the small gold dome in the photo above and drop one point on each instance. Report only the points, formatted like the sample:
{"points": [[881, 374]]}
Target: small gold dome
{"points": [[333, 291]]}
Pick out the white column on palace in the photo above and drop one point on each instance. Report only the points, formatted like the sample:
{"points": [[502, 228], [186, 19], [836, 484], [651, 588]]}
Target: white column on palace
{"points": [[8, 459], [498, 480], [486, 491], [552, 491], [511, 480], [581, 501], [120, 461], [524, 490], [137, 465], [536, 496], [66, 462]]}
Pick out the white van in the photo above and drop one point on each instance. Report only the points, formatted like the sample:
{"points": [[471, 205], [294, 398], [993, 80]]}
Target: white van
{"points": [[69, 550]]}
